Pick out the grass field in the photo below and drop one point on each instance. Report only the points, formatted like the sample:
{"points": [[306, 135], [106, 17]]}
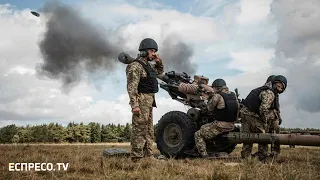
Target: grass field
{"points": [[86, 162]]}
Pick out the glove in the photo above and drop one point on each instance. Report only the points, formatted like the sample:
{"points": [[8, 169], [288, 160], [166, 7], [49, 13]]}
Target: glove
{"points": [[280, 121]]}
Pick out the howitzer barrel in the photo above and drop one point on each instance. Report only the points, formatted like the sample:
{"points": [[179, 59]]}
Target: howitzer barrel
{"points": [[268, 138], [188, 88], [301, 132], [192, 88]]}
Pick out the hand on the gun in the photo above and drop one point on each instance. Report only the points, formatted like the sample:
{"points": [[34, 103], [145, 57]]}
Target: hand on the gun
{"points": [[136, 110], [156, 58]]}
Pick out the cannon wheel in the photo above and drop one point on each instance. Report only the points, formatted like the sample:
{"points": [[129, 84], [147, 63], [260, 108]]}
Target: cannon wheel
{"points": [[173, 134]]}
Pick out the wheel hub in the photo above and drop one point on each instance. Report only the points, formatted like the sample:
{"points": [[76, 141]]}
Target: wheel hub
{"points": [[172, 135]]}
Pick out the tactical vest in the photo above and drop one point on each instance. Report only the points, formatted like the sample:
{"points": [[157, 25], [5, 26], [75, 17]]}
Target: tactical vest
{"points": [[276, 102], [253, 101], [148, 84], [230, 112]]}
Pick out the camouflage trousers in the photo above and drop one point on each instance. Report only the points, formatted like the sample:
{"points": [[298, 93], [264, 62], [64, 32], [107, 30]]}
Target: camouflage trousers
{"points": [[252, 124], [274, 127], [142, 133], [209, 131]]}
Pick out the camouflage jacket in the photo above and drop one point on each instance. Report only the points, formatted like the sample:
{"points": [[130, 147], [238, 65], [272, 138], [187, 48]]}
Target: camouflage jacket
{"points": [[267, 97], [216, 100], [274, 114], [134, 72]]}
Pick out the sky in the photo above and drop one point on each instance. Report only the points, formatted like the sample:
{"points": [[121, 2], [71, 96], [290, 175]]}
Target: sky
{"points": [[242, 41]]}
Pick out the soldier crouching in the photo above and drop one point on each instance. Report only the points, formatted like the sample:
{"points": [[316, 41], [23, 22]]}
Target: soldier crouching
{"points": [[274, 121], [224, 104], [258, 111]]}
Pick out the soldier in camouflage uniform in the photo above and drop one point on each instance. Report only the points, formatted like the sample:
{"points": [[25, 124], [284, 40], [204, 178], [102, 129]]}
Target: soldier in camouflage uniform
{"points": [[224, 104], [142, 85], [274, 123], [257, 110]]}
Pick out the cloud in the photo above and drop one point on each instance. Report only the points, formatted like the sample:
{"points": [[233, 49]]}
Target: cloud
{"points": [[253, 11], [28, 99], [250, 43], [297, 49], [158, 23], [213, 8], [73, 46], [252, 60], [283, 41], [248, 28]]}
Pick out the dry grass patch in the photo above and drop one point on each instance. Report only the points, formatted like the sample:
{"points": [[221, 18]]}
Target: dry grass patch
{"points": [[86, 162]]}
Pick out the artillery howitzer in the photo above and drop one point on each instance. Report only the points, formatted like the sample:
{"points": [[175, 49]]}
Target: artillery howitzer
{"points": [[175, 130]]}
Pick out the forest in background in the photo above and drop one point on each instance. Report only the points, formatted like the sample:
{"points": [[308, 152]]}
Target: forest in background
{"points": [[75, 133]]}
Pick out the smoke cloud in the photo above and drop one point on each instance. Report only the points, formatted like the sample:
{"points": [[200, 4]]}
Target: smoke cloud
{"points": [[177, 55], [297, 49], [73, 46]]}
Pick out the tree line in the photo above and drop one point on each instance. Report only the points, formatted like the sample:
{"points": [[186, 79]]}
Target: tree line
{"points": [[73, 132], [76, 133]]}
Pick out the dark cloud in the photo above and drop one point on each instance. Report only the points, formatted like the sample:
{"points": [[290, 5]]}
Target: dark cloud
{"points": [[177, 55], [297, 49], [73, 45]]}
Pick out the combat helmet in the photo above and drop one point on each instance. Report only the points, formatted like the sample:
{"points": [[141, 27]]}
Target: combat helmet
{"points": [[270, 78], [282, 79], [219, 83], [148, 43]]}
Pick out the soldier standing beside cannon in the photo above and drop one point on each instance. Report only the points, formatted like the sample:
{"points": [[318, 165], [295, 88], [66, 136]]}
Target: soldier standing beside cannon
{"points": [[142, 84]]}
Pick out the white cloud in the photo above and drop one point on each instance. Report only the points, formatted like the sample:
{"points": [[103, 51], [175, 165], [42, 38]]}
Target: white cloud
{"points": [[142, 22], [252, 60], [253, 11], [21, 70]]}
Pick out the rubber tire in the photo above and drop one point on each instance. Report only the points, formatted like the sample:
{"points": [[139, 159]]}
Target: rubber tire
{"points": [[188, 128]]}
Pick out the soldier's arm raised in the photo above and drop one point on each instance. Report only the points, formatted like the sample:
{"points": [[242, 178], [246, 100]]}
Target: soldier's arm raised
{"points": [[215, 101], [133, 79], [267, 98], [158, 67]]}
